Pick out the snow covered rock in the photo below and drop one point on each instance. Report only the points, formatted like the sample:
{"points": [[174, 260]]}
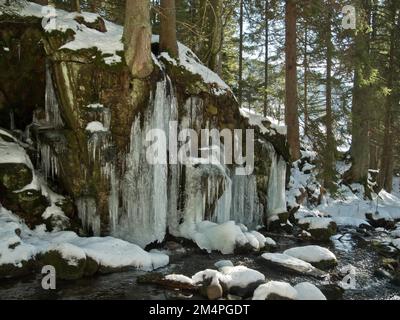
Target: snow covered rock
{"points": [[320, 228], [237, 280], [290, 263], [223, 263], [226, 237], [22, 250], [319, 257], [308, 291], [380, 220], [275, 290], [68, 260]]}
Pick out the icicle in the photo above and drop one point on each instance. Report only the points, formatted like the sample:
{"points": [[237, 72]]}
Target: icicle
{"points": [[48, 161], [276, 184], [144, 187], [87, 213], [53, 116]]}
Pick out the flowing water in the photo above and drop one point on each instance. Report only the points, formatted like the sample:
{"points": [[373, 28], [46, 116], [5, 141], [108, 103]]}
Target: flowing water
{"points": [[348, 250]]}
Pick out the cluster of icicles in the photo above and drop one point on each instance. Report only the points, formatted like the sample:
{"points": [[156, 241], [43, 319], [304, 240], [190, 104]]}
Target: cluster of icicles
{"points": [[147, 200]]}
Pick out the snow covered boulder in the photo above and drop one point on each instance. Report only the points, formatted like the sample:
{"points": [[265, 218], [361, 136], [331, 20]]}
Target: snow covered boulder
{"points": [[308, 291], [380, 220], [320, 228], [242, 281], [239, 281], [319, 257], [289, 263], [275, 290], [68, 260], [227, 237], [16, 258]]}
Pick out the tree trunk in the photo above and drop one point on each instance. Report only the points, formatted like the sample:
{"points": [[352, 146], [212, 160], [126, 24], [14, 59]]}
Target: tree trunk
{"points": [[305, 67], [360, 111], [240, 91], [168, 42], [266, 58], [137, 38], [329, 154], [210, 29], [291, 111], [386, 172], [78, 6]]}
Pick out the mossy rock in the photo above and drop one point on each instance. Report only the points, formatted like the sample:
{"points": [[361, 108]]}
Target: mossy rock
{"points": [[32, 202], [67, 206], [15, 176], [321, 234], [64, 269], [8, 271], [91, 267]]}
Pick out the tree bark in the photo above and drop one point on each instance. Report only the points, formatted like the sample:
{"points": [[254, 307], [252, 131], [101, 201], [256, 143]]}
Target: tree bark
{"points": [[168, 42], [305, 93], [386, 173], [360, 106], [329, 155], [266, 58], [291, 109], [78, 6], [240, 91], [137, 38]]}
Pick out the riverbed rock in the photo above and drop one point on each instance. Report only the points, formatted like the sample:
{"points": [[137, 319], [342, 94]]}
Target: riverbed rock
{"points": [[320, 228], [332, 291], [319, 257], [275, 290], [241, 281], [289, 263], [378, 220], [68, 260], [308, 291]]}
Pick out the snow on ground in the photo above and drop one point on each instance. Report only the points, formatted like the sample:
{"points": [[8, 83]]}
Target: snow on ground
{"points": [[302, 178], [315, 222], [107, 251], [350, 207], [311, 253], [222, 237], [256, 119]]}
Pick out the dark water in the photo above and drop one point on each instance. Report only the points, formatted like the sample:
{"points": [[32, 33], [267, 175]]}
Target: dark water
{"points": [[123, 285]]}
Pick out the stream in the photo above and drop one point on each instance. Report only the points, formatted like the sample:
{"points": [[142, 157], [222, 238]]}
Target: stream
{"points": [[349, 249]]}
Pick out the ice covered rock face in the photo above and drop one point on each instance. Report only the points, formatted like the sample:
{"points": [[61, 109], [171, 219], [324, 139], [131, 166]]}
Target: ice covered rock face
{"points": [[96, 153]]}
